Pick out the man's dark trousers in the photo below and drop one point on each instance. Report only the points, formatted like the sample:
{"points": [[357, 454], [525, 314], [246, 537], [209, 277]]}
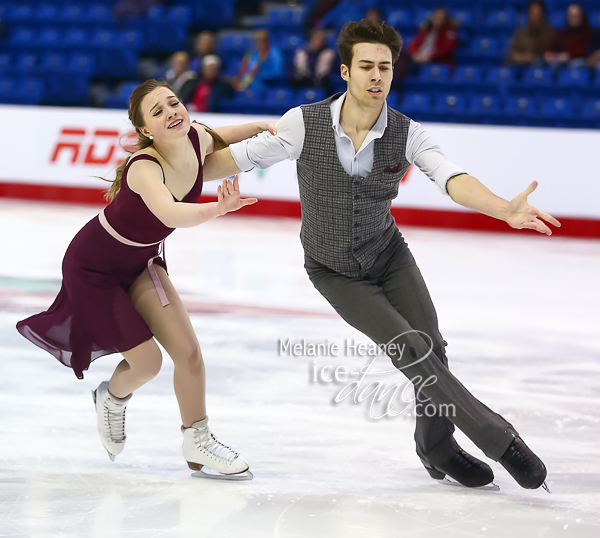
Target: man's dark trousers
{"points": [[389, 300]]}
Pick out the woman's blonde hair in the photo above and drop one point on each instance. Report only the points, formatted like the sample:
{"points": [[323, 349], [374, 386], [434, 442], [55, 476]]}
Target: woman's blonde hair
{"points": [[136, 119]]}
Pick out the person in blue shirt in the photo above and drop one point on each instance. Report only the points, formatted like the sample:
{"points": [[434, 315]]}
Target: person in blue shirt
{"points": [[259, 66]]}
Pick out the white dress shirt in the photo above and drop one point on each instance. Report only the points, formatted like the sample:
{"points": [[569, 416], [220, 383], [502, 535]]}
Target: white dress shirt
{"points": [[265, 149]]}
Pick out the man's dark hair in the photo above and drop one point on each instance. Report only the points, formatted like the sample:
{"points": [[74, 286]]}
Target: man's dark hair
{"points": [[365, 31]]}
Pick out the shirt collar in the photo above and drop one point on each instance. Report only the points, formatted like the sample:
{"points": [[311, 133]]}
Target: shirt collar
{"points": [[377, 129]]}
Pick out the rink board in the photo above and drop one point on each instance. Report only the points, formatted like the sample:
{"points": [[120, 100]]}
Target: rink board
{"points": [[53, 153]]}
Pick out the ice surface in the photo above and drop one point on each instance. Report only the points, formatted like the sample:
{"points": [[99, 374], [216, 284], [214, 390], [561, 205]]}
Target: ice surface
{"points": [[520, 314]]}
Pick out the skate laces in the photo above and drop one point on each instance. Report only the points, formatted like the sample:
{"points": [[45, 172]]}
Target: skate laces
{"points": [[114, 419], [206, 440]]}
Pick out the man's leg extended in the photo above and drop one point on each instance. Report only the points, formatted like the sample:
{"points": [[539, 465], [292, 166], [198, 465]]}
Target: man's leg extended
{"points": [[363, 303]]}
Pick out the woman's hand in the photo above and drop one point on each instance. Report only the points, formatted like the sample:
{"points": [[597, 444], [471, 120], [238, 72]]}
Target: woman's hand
{"points": [[228, 197], [519, 214], [266, 126]]}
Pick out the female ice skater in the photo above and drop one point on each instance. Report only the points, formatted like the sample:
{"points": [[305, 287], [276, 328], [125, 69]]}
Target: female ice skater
{"points": [[116, 295], [352, 150]]}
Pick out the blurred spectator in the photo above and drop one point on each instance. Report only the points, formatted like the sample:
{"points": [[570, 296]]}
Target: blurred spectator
{"points": [[211, 87], [373, 15], [180, 77], [571, 44], [203, 46], [594, 51], [313, 63], [436, 41], [259, 66], [529, 42]]}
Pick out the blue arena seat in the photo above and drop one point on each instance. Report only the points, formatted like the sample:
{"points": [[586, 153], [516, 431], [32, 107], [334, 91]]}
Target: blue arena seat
{"points": [[309, 95], [8, 90], [557, 19], [520, 106], [278, 100], [286, 17], [99, 14], [556, 108], [400, 18], [291, 42], [180, 15], [501, 76], [422, 14], [54, 62], [482, 105], [47, 14], [234, 42], [591, 109], [464, 17], [538, 76], [416, 102], [452, 103], [501, 18], [595, 19], [6, 63], [81, 64], [434, 73], [467, 74], [31, 91], [22, 37], [27, 62], [50, 37], [485, 46], [76, 38], [22, 13], [574, 78], [73, 14]]}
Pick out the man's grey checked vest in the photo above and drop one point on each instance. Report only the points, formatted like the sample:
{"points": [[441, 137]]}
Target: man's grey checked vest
{"points": [[346, 221]]}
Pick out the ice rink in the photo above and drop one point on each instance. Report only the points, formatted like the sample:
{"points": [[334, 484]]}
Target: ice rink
{"points": [[520, 314]]}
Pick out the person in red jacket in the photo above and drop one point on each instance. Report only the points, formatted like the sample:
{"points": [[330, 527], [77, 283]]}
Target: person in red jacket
{"points": [[436, 41], [571, 44]]}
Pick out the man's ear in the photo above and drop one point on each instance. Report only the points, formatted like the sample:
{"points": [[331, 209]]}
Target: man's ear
{"points": [[345, 72]]}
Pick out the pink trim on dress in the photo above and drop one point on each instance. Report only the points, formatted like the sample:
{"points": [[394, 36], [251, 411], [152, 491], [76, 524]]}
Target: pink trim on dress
{"points": [[151, 269]]}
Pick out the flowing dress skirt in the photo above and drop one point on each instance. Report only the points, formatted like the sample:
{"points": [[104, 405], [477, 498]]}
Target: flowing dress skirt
{"points": [[92, 314]]}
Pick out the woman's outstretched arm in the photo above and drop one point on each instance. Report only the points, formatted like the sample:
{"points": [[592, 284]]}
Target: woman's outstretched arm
{"points": [[145, 178]]}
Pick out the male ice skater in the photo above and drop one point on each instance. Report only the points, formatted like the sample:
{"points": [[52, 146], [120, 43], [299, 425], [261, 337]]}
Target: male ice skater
{"points": [[352, 151]]}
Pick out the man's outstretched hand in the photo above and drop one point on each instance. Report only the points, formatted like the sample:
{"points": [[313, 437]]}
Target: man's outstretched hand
{"points": [[519, 214]]}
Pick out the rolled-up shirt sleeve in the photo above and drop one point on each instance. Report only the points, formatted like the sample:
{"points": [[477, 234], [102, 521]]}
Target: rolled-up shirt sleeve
{"points": [[265, 149], [424, 152]]}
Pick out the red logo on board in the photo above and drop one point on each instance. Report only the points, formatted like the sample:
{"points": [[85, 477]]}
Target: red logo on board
{"points": [[93, 147]]}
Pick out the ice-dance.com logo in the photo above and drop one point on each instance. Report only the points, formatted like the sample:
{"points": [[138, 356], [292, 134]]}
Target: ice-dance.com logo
{"points": [[385, 398]]}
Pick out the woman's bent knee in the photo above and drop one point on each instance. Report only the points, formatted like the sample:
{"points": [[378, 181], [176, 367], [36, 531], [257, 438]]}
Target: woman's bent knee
{"points": [[145, 360]]}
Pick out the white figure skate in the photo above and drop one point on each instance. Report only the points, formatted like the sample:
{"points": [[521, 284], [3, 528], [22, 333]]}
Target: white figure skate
{"points": [[111, 419], [202, 449]]}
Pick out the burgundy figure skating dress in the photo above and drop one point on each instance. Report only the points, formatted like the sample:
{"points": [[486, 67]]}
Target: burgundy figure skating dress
{"points": [[92, 315]]}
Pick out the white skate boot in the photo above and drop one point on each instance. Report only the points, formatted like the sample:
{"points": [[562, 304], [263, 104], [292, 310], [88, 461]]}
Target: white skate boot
{"points": [[111, 419], [201, 448]]}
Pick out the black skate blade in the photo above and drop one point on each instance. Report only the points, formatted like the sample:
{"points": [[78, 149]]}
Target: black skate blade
{"points": [[492, 486], [210, 473], [545, 486]]}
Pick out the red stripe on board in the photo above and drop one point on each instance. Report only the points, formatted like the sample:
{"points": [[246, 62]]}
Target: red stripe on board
{"points": [[427, 218]]}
